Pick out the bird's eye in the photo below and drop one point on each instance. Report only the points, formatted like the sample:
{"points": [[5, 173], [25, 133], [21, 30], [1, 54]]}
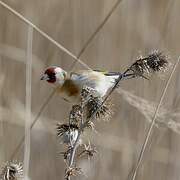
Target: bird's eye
{"points": [[53, 74]]}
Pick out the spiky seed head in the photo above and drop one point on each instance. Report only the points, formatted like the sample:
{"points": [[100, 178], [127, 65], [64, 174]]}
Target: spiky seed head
{"points": [[94, 106], [157, 61], [90, 125], [154, 62], [87, 93], [62, 128], [88, 151], [72, 171], [11, 171], [67, 133], [76, 115]]}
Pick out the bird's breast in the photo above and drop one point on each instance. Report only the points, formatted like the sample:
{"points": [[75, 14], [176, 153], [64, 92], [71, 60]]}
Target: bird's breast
{"points": [[70, 91]]}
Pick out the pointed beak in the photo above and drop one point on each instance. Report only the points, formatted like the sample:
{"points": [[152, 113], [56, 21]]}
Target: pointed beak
{"points": [[44, 77]]}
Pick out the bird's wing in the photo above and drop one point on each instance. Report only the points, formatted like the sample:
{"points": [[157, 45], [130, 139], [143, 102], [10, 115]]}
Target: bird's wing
{"points": [[89, 75], [100, 81], [104, 72], [109, 73], [88, 78]]}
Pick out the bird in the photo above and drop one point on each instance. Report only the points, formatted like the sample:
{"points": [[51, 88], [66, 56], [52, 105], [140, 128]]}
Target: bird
{"points": [[70, 85]]}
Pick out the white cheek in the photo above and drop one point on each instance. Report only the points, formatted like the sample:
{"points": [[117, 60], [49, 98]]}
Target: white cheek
{"points": [[58, 70], [59, 78]]}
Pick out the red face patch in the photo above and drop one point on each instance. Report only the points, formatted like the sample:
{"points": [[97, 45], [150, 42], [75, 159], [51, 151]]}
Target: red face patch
{"points": [[51, 75]]}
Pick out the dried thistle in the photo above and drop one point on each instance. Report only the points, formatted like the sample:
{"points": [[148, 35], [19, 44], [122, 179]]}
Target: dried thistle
{"points": [[63, 128], [154, 62], [90, 125], [88, 151], [11, 171], [72, 171], [75, 114], [87, 92], [94, 105], [67, 132]]}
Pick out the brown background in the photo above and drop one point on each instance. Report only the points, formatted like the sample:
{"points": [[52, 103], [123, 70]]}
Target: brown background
{"points": [[134, 28]]}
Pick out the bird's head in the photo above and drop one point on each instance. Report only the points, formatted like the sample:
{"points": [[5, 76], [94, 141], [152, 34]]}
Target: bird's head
{"points": [[54, 75]]}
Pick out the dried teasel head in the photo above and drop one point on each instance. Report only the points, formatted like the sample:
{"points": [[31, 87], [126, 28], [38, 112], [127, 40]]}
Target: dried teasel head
{"points": [[62, 128], [67, 133], [11, 171], [154, 62], [72, 171], [88, 151], [75, 115], [90, 125], [87, 92], [93, 105], [96, 109]]}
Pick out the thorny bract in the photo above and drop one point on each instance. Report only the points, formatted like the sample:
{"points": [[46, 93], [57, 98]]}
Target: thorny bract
{"points": [[11, 171], [154, 62]]}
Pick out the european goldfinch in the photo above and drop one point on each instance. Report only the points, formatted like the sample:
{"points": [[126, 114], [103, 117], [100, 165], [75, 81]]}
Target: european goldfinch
{"points": [[71, 85]]}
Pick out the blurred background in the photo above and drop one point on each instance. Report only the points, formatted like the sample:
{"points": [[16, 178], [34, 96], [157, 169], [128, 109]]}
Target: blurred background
{"points": [[104, 34]]}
